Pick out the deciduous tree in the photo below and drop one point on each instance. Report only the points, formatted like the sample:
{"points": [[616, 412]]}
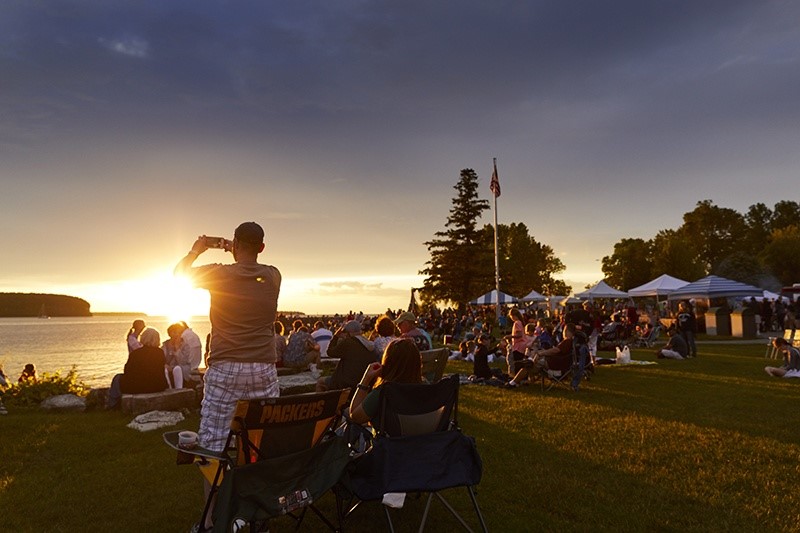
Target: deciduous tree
{"points": [[715, 231], [781, 255], [525, 264], [630, 265]]}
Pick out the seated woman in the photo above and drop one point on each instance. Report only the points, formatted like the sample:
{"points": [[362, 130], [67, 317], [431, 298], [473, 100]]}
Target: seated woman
{"points": [[464, 353], [280, 343], [383, 334], [132, 337], [183, 352], [144, 372], [401, 363], [791, 360]]}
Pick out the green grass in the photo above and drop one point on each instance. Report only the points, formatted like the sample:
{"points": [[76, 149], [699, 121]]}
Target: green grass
{"points": [[707, 444]]}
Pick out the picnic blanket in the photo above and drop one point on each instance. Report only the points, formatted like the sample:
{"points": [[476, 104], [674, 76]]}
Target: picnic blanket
{"points": [[155, 419]]}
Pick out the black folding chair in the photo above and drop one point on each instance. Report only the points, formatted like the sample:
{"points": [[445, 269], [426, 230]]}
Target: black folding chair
{"points": [[557, 371], [418, 448], [281, 455]]}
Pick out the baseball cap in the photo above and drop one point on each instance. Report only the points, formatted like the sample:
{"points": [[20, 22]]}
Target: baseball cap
{"points": [[249, 232], [353, 326], [406, 316]]}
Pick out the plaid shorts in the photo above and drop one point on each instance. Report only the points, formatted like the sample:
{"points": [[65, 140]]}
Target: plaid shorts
{"points": [[227, 382]]}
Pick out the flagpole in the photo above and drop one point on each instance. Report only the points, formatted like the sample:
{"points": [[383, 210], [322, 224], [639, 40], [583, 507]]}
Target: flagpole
{"points": [[495, 180]]}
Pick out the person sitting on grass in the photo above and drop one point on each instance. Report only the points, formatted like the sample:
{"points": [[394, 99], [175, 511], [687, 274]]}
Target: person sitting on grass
{"points": [[480, 363], [464, 352], [676, 347], [401, 363], [791, 360], [4, 382], [28, 374]]}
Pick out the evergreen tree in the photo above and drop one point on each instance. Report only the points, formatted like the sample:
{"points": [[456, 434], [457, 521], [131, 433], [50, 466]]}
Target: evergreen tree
{"points": [[453, 273]]}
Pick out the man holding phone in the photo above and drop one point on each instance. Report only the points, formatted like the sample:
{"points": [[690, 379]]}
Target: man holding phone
{"points": [[244, 303]]}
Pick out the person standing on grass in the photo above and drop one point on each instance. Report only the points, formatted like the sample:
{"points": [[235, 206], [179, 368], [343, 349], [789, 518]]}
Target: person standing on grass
{"points": [[244, 304], [791, 360], [687, 326], [519, 342]]}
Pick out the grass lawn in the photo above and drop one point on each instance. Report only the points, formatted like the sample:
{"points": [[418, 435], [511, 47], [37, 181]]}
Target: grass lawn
{"points": [[707, 444]]}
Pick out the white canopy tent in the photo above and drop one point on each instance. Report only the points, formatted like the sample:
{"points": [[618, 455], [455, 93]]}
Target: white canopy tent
{"points": [[571, 299], [533, 296], [601, 290], [491, 298], [663, 285], [769, 295]]}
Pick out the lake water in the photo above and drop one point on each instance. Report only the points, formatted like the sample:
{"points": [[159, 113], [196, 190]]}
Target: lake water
{"points": [[95, 345]]}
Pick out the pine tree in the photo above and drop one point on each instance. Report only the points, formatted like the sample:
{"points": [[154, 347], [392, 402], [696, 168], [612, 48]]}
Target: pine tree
{"points": [[454, 273]]}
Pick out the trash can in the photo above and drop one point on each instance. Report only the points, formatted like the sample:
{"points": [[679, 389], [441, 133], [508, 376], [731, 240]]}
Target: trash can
{"points": [[718, 321], [743, 323]]}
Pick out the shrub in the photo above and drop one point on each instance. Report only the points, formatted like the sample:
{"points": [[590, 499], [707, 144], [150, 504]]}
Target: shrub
{"points": [[47, 385]]}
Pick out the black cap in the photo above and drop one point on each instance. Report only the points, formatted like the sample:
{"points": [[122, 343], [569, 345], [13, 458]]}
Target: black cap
{"points": [[249, 232]]}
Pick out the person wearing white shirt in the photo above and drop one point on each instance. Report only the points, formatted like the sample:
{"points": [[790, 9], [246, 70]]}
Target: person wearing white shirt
{"points": [[322, 336]]}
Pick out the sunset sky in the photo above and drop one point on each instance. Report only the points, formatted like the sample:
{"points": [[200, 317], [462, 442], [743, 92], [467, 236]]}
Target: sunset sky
{"points": [[129, 128]]}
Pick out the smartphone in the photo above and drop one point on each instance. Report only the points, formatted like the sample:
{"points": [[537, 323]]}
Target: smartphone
{"points": [[215, 242]]}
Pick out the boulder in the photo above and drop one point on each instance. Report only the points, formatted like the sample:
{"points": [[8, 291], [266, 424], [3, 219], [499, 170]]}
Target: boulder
{"points": [[97, 398], [168, 400], [64, 402], [297, 383]]}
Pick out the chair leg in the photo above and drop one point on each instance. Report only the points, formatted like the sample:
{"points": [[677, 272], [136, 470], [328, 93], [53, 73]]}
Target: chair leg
{"points": [[477, 509], [388, 518]]}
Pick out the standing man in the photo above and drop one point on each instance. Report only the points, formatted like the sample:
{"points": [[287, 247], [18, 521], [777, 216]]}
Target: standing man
{"points": [[244, 303], [687, 326]]}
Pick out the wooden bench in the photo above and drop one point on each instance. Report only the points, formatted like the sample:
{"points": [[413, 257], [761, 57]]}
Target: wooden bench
{"points": [[168, 400]]}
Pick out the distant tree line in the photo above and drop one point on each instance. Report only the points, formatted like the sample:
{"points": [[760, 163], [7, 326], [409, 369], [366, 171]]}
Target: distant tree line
{"points": [[14, 304], [461, 265], [760, 247]]}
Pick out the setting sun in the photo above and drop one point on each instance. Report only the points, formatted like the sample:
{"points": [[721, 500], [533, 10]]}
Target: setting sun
{"points": [[160, 294]]}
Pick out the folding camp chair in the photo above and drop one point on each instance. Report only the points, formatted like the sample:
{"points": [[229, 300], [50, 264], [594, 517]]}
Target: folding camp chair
{"points": [[772, 352], [434, 363], [650, 340], [558, 371], [281, 455], [418, 448]]}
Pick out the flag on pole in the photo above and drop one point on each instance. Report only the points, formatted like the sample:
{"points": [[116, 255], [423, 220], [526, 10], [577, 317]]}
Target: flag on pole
{"points": [[494, 186]]}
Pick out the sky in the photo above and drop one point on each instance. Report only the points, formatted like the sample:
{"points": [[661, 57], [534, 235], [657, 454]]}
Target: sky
{"points": [[128, 128]]}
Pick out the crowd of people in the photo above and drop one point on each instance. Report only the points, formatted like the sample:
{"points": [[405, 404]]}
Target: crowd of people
{"points": [[249, 341]]}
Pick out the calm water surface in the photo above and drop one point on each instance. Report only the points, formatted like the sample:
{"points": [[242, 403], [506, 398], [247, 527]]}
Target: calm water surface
{"points": [[96, 345]]}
